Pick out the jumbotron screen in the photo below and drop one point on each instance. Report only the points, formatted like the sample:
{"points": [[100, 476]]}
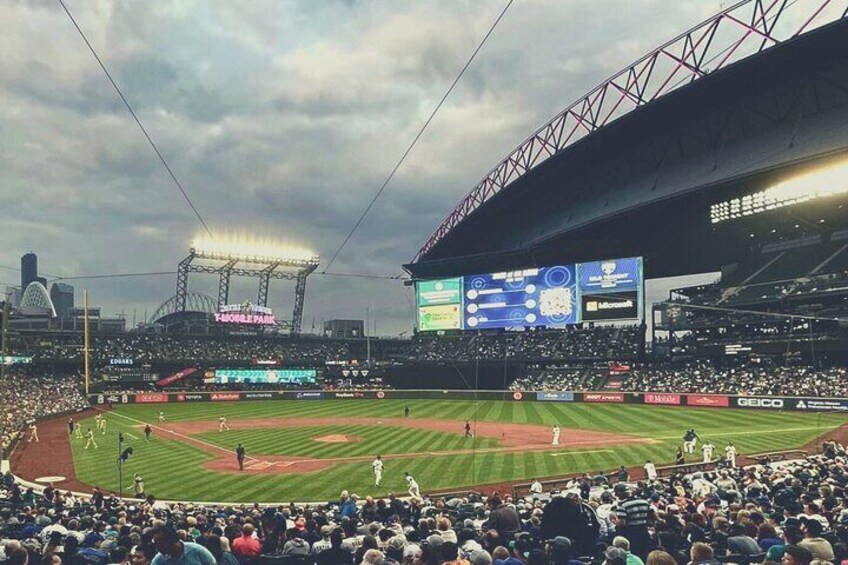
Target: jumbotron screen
{"points": [[559, 295], [261, 376]]}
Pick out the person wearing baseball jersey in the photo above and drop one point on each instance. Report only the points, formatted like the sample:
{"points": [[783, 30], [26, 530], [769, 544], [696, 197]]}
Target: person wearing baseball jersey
{"points": [[707, 449], [650, 470], [377, 467], [690, 440], [89, 439], [555, 431], [33, 433], [222, 424], [161, 416], [731, 452], [412, 486]]}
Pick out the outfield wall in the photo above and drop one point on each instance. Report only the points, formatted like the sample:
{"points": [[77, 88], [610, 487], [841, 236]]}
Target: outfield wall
{"points": [[802, 404]]}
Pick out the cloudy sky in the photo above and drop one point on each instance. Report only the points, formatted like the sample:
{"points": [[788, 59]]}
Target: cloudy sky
{"points": [[280, 118]]}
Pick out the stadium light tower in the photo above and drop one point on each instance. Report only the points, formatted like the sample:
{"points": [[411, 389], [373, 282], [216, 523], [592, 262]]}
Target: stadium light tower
{"points": [[263, 260]]}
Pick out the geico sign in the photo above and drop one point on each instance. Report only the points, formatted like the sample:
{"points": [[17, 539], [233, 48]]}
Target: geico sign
{"points": [[760, 402]]}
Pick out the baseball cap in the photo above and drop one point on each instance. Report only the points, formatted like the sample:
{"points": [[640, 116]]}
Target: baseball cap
{"points": [[560, 544]]}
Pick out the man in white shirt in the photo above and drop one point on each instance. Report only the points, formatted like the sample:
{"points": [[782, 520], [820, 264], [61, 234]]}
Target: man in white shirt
{"points": [[555, 431], [412, 486], [731, 453], [535, 487], [650, 471], [377, 467], [707, 450]]}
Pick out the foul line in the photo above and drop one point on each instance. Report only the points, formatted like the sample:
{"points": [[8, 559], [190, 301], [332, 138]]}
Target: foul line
{"points": [[172, 432]]}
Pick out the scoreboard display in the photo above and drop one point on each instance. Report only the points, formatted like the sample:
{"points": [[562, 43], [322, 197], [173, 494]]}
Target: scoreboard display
{"points": [[262, 376], [554, 296]]}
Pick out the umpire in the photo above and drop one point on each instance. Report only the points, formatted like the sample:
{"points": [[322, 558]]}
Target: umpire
{"points": [[240, 456]]}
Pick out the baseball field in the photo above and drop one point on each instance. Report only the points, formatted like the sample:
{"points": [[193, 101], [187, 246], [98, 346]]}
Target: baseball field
{"points": [[311, 450]]}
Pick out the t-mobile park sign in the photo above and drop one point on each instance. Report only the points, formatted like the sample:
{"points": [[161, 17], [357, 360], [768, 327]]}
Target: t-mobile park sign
{"points": [[246, 313]]}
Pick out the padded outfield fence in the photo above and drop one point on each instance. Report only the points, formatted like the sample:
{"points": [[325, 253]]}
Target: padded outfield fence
{"points": [[801, 404]]}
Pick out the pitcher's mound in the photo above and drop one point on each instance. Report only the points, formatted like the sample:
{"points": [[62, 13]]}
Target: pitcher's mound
{"points": [[337, 438]]}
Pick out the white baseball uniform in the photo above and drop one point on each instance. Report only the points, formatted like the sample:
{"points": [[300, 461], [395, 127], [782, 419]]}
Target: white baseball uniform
{"points": [[555, 440], [377, 466], [412, 487]]}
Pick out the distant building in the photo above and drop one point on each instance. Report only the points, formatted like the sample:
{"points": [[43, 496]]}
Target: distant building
{"points": [[62, 295], [29, 269], [13, 296], [344, 329]]}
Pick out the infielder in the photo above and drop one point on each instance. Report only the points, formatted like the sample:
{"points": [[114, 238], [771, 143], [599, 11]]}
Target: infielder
{"points": [[650, 470], [412, 486], [89, 437], [161, 416], [33, 433], [222, 424], [377, 467], [690, 440], [731, 452], [707, 449], [555, 431]]}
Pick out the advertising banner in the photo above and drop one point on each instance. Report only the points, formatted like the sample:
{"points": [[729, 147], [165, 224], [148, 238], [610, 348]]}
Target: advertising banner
{"points": [[603, 397], [762, 402], [224, 396], [708, 400], [151, 397], [350, 394], [555, 396], [439, 292], [659, 398], [178, 376], [444, 317], [822, 404], [192, 397], [610, 306], [309, 395], [258, 395]]}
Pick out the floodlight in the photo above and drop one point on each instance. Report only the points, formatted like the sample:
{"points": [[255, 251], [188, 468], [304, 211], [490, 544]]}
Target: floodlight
{"points": [[251, 250]]}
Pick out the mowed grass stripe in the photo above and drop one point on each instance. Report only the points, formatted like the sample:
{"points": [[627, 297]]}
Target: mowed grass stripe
{"points": [[173, 469]]}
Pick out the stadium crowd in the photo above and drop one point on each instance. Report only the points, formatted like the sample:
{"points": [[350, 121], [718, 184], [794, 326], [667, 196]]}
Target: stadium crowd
{"points": [[24, 398], [791, 512], [698, 377]]}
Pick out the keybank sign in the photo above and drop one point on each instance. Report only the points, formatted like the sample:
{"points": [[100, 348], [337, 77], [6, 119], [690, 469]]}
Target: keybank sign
{"points": [[753, 402]]}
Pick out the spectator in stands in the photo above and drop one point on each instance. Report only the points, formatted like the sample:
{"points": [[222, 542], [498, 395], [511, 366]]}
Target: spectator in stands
{"points": [[247, 546]]}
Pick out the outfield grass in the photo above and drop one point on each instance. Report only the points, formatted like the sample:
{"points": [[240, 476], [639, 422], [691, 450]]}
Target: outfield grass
{"points": [[173, 469]]}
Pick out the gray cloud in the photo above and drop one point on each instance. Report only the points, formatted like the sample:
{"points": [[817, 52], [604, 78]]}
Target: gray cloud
{"points": [[280, 118]]}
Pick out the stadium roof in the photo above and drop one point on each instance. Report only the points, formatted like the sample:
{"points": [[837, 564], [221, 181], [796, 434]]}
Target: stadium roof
{"points": [[702, 123]]}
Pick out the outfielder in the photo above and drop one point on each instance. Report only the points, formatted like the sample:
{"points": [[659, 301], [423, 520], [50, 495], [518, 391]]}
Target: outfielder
{"points": [[222, 424], [731, 452], [161, 416], [555, 431], [412, 486], [89, 437], [690, 440], [707, 450], [377, 467]]}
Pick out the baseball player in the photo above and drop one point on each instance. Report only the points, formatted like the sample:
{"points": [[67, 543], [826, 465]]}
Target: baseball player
{"points": [[412, 486], [730, 453], [468, 429], [161, 416], [690, 440], [97, 421], [555, 431], [406, 412], [33, 433], [377, 467], [138, 486], [222, 424], [147, 431], [650, 470], [679, 459], [102, 425], [89, 439], [707, 449], [70, 425], [78, 431]]}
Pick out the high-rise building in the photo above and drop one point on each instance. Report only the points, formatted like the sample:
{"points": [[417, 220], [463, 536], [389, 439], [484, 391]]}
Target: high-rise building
{"points": [[62, 295], [29, 269]]}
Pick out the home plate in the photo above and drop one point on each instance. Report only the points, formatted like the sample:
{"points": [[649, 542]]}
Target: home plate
{"points": [[259, 465]]}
